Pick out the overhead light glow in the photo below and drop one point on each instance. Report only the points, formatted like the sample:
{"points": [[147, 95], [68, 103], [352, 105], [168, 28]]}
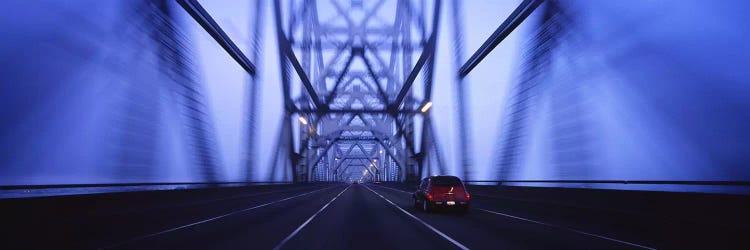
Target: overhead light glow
{"points": [[304, 121], [426, 107]]}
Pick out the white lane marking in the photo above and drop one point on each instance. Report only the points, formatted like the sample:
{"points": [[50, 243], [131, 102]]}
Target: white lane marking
{"points": [[235, 197], [211, 219], [281, 244], [569, 229], [459, 245], [552, 225], [395, 189]]}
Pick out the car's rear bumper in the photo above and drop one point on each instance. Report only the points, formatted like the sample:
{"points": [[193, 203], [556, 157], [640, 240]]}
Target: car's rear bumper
{"points": [[447, 203]]}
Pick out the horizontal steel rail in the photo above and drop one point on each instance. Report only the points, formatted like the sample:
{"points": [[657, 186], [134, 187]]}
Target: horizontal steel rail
{"points": [[94, 185], [651, 182], [358, 111]]}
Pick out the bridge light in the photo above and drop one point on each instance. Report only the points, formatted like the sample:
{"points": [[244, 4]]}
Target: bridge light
{"points": [[303, 120], [426, 107]]}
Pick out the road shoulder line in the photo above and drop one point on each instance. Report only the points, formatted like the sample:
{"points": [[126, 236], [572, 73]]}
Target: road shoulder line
{"points": [[550, 225]]}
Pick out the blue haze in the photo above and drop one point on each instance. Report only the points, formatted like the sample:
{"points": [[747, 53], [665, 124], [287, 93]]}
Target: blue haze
{"points": [[661, 90]]}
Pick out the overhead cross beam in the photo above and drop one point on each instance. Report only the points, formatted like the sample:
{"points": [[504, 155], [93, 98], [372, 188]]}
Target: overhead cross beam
{"points": [[347, 167], [331, 143], [340, 77], [357, 111], [374, 77], [380, 106]]}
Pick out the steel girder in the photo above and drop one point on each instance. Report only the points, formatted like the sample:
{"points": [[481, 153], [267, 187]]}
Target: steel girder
{"points": [[253, 92], [516, 18], [352, 91], [463, 121], [207, 22]]}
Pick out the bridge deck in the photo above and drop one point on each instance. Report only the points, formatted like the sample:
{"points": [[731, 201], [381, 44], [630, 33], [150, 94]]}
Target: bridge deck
{"points": [[365, 216]]}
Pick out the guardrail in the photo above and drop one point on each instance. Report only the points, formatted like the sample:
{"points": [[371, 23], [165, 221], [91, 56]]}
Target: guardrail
{"points": [[652, 182], [95, 185]]}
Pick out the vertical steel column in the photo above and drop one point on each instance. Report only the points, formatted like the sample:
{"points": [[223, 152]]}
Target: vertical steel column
{"points": [[201, 130], [463, 119], [531, 81], [137, 125], [254, 89], [289, 106]]}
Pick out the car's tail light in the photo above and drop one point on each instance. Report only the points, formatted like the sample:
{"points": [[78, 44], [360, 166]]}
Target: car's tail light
{"points": [[468, 196], [429, 196]]}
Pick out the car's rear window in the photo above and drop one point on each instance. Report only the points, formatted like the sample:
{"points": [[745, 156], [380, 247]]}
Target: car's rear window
{"points": [[446, 181]]}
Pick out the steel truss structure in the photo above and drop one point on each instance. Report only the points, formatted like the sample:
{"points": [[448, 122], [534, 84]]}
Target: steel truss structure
{"points": [[358, 109], [348, 77]]}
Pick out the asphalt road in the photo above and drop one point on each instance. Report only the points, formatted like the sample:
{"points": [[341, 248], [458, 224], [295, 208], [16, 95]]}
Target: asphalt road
{"points": [[362, 217]]}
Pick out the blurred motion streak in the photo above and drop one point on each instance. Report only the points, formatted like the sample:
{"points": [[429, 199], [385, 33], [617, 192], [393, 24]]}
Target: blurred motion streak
{"points": [[144, 91]]}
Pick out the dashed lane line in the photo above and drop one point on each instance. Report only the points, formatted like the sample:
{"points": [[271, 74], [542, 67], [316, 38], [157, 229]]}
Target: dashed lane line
{"points": [[458, 244], [210, 219], [550, 225], [281, 244]]}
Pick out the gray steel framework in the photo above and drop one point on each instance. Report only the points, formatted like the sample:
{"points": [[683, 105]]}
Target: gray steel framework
{"points": [[349, 77], [355, 75]]}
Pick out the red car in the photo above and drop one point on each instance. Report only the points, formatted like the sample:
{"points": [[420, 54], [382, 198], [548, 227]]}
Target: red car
{"points": [[441, 192]]}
